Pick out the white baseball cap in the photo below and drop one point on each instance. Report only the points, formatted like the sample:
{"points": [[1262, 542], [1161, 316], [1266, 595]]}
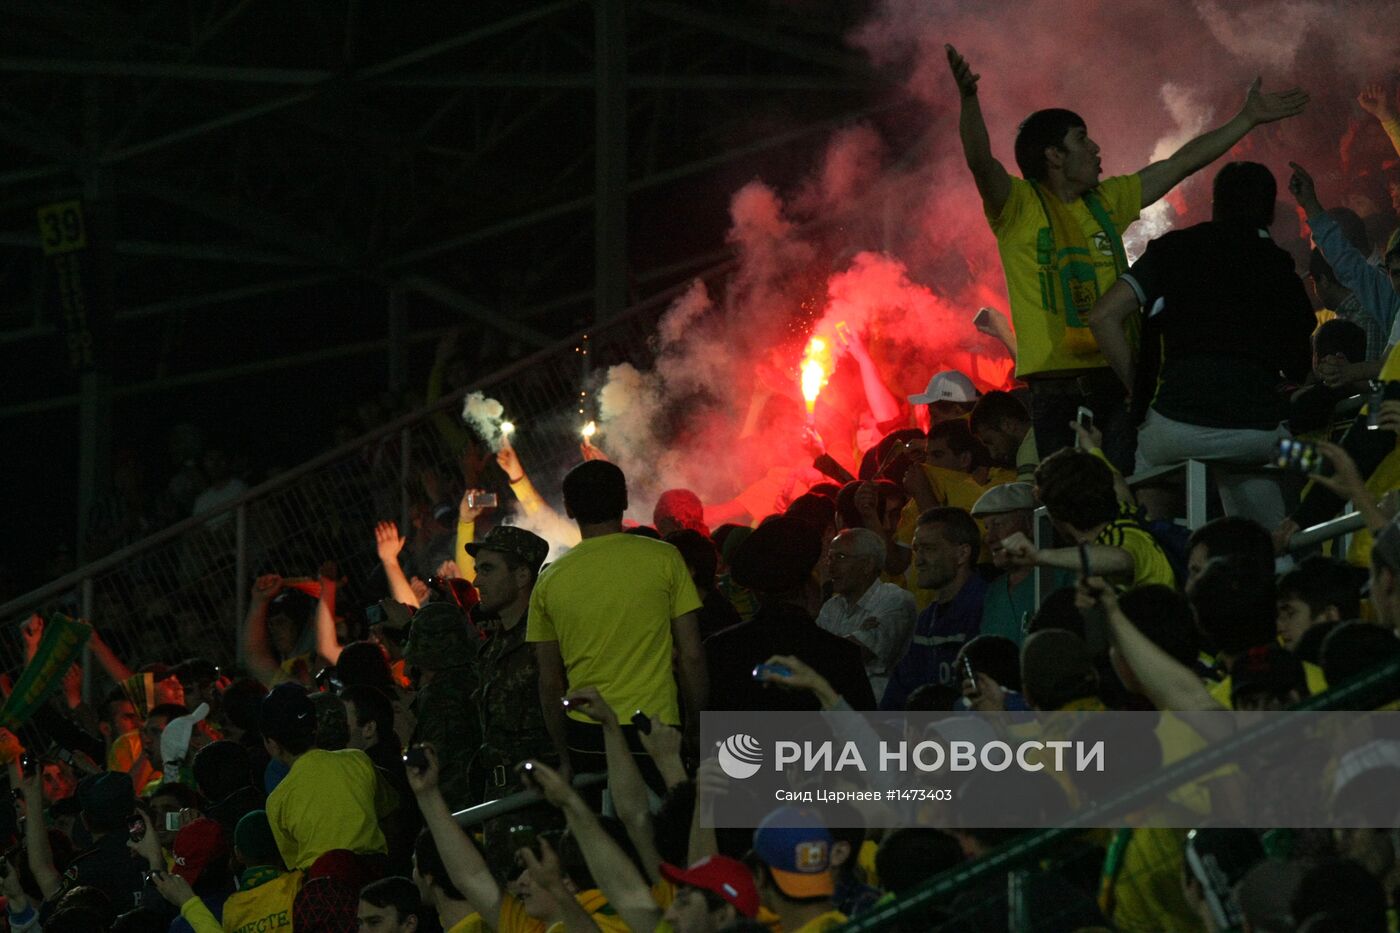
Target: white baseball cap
{"points": [[175, 738], [947, 386]]}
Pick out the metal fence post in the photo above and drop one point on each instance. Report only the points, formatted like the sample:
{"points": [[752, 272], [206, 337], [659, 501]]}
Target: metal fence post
{"points": [[1043, 535], [1018, 914], [1197, 503], [405, 465], [87, 651], [240, 576]]}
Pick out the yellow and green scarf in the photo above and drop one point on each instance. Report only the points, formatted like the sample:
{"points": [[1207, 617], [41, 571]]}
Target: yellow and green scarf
{"points": [[1069, 283]]}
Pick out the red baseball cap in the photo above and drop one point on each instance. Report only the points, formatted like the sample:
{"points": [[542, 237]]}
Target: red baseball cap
{"points": [[720, 875], [197, 845]]}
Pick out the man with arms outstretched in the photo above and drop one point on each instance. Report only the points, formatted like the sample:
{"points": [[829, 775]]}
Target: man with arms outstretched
{"points": [[1059, 232]]}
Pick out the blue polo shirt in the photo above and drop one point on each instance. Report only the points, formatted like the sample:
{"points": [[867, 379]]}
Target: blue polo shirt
{"points": [[940, 631]]}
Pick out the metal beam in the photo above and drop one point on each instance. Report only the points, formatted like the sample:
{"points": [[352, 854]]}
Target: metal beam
{"points": [[165, 384], [758, 34], [466, 38], [314, 89], [226, 295], [44, 144], [214, 252], [259, 224], [208, 126], [656, 178], [7, 179], [178, 71], [456, 300], [665, 82]]}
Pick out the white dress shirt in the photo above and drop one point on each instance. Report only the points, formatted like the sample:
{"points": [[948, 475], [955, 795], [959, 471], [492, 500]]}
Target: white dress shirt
{"points": [[882, 620]]}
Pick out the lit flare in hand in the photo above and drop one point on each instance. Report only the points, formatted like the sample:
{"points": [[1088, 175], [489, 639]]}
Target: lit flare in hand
{"points": [[507, 429], [589, 429], [816, 370]]}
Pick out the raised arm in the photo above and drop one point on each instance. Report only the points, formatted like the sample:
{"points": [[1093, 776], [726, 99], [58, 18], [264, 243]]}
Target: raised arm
{"points": [[463, 862], [261, 663], [530, 499], [1161, 177], [1103, 558], [1108, 321], [1376, 101], [663, 744], [626, 785], [1170, 685], [1346, 479], [1370, 284], [327, 645], [993, 183], [710, 783], [883, 405], [115, 667], [388, 542], [624, 887], [548, 875], [178, 892], [36, 835]]}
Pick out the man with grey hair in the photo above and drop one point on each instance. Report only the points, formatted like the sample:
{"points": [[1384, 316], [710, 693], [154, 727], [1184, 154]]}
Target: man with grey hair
{"points": [[877, 616]]}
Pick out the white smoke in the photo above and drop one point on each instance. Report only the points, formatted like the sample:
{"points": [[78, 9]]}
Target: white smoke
{"points": [[485, 415]]}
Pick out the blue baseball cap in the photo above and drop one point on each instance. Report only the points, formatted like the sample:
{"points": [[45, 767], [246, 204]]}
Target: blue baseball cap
{"points": [[796, 846]]}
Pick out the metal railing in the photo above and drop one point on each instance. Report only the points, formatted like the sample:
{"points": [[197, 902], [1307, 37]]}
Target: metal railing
{"points": [[184, 591], [513, 803], [1343, 526]]}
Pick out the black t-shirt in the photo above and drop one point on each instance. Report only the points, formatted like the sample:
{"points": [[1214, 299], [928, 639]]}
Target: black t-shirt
{"points": [[1232, 319], [717, 614], [732, 654], [111, 867]]}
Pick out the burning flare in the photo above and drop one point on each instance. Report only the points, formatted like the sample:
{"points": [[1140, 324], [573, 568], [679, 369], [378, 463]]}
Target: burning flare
{"points": [[816, 370], [589, 429]]}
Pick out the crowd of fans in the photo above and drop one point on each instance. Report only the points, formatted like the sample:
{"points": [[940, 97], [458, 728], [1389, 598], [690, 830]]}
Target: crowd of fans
{"points": [[315, 788]]}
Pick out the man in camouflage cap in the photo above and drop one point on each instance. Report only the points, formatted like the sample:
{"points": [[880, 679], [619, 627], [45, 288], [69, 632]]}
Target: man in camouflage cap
{"points": [[442, 645], [507, 697]]}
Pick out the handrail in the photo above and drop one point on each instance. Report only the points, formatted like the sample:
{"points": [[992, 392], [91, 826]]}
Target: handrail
{"points": [[1375, 687], [33, 598], [518, 801], [1314, 535]]}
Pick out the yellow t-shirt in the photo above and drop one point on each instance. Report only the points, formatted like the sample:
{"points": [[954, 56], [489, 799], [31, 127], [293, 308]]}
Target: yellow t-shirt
{"points": [[609, 604], [1147, 894], [1317, 683], [329, 800], [472, 923], [1021, 230], [514, 919], [1150, 564], [265, 908], [123, 753]]}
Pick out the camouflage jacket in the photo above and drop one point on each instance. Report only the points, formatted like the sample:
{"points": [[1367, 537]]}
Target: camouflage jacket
{"points": [[507, 701]]}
